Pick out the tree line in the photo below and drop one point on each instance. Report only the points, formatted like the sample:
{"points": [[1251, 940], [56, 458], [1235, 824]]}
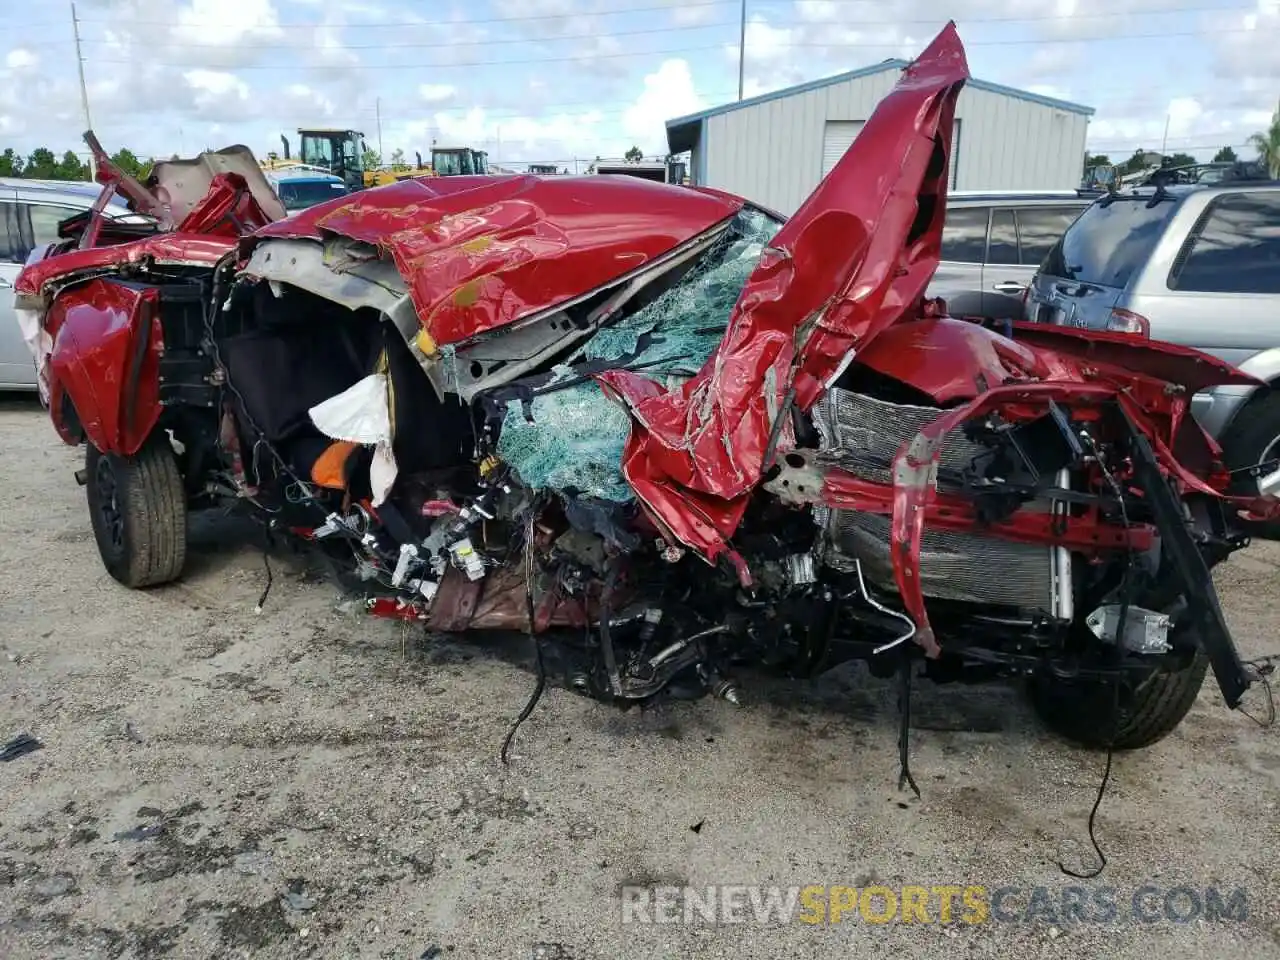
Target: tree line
{"points": [[1142, 159], [43, 164], [1266, 142]]}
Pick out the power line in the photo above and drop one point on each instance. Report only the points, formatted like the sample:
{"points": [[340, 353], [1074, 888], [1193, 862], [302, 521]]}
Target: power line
{"points": [[684, 5], [523, 18], [460, 43], [787, 25], [590, 57]]}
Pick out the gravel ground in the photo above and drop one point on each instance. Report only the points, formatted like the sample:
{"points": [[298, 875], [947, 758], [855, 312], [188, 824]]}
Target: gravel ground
{"points": [[303, 782]]}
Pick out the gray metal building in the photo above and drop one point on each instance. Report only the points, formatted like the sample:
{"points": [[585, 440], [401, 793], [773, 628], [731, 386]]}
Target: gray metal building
{"points": [[775, 148]]}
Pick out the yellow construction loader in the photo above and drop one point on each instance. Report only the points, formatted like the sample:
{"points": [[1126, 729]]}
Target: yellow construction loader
{"points": [[342, 152]]}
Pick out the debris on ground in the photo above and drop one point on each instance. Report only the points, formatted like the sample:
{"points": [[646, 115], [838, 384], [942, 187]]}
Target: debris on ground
{"points": [[20, 745]]}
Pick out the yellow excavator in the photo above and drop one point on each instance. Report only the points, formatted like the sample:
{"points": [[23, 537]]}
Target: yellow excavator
{"points": [[391, 173], [342, 152]]}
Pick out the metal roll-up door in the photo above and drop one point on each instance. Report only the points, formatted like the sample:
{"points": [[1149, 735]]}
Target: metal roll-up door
{"points": [[836, 139], [839, 135]]}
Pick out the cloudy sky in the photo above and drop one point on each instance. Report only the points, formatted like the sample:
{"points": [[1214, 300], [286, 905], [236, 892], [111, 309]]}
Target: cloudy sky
{"points": [[555, 80]]}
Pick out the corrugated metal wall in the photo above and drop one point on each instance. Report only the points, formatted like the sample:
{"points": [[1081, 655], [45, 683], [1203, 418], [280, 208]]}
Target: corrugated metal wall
{"points": [[772, 152]]}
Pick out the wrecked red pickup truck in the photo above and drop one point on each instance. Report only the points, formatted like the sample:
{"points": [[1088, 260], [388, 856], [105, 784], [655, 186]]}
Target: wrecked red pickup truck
{"points": [[659, 427]]}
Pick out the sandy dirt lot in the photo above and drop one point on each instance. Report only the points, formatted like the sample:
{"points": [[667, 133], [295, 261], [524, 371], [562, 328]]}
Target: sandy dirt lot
{"points": [[304, 782]]}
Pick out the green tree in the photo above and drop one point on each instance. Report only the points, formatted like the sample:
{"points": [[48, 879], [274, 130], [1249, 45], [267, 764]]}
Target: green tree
{"points": [[1140, 160], [1096, 160], [71, 168], [1178, 160], [372, 159], [126, 160], [634, 154], [41, 165], [1267, 143], [397, 160], [10, 163], [1225, 155]]}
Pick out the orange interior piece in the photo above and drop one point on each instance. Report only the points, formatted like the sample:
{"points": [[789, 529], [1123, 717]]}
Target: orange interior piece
{"points": [[330, 469]]}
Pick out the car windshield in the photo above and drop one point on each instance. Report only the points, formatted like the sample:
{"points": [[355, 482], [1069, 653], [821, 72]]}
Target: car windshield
{"points": [[1110, 240], [300, 194]]}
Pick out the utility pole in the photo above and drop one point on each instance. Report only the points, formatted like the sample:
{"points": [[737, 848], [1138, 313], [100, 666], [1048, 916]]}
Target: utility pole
{"points": [[1164, 142], [84, 91], [377, 109], [742, 48]]}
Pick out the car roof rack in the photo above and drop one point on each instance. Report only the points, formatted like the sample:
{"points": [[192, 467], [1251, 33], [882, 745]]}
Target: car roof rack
{"points": [[1210, 174]]}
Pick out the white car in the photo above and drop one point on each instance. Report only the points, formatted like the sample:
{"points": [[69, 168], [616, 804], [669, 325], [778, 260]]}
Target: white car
{"points": [[30, 212]]}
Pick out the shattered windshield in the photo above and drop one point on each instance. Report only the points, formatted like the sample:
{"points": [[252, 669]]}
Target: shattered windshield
{"points": [[577, 433]]}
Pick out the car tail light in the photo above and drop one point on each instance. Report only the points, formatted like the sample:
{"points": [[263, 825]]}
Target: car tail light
{"points": [[1126, 321]]}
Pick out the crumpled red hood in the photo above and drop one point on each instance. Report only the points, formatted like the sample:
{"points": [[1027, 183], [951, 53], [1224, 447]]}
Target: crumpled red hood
{"points": [[481, 252], [852, 260]]}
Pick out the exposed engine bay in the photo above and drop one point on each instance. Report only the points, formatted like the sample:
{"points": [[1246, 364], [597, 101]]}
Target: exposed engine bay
{"points": [[715, 439]]}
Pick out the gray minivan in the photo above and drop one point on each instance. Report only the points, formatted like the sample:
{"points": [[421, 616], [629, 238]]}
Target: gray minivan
{"points": [[1197, 265], [992, 244]]}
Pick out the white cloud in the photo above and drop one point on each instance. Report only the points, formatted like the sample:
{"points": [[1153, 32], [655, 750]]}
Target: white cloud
{"points": [[668, 92], [437, 92], [222, 24], [216, 93], [21, 59], [1250, 56]]}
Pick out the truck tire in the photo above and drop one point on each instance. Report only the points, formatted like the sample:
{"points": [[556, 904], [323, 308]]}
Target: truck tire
{"points": [[1253, 435], [1085, 710], [138, 509]]}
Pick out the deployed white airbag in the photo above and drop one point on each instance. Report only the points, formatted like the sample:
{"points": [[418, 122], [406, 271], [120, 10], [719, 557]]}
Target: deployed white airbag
{"points": [[362, 414]]}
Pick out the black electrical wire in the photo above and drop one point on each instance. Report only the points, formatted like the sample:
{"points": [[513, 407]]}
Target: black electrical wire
{"points": [[1102, 790], [904, 726], [1115, 686], [541, 684], [1093, 814], [266, 562]]}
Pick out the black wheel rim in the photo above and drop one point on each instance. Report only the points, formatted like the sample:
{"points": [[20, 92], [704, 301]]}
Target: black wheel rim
{"points": [[108, 503]]}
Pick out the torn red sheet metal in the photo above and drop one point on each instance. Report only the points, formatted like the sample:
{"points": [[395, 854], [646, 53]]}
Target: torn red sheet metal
{"points": [[167, 248], [856, 256], [842, 490], [107, 343], [1169, 362], [229, 209], [479, 253], [915, 474], [956, 360]]}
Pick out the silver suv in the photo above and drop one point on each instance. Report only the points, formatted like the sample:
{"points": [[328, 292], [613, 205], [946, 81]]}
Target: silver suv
{"points": [[30, 211], [992, 244], [1197, 265]]}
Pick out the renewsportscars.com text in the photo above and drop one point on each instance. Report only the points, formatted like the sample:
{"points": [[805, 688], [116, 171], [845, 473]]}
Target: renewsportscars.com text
{"points": [[937, 903]]}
